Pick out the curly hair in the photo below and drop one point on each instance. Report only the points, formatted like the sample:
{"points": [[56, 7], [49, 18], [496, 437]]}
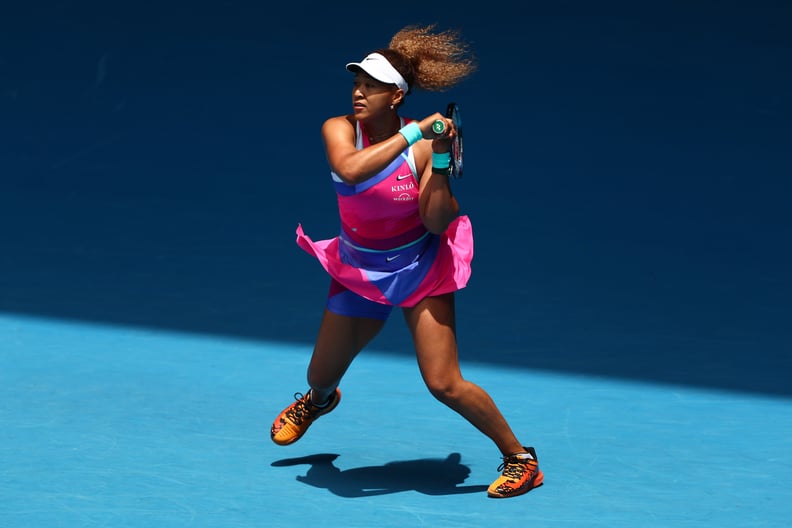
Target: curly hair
{"points": [[428, 59]]}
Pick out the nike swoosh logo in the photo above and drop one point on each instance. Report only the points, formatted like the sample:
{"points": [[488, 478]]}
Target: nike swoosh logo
{"points": [[391, 259], [403, 176]]}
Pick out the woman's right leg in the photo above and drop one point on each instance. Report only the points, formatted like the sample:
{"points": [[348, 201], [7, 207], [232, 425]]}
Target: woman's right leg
{"points": [[339, 340]]}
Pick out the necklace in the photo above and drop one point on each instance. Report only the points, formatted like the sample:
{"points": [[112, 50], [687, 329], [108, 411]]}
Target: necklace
{"points": [[378, 138], [390, 128]]}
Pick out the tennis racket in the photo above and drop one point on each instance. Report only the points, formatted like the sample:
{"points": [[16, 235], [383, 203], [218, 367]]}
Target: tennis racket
{"points": [[452, 112]]}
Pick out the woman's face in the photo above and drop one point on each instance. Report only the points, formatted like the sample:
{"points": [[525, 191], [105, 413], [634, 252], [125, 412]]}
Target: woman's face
{"points": [[371, 97]]}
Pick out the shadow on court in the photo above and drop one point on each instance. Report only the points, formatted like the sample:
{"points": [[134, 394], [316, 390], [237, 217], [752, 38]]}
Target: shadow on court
{"points": [[230, 268], [427, 476]]}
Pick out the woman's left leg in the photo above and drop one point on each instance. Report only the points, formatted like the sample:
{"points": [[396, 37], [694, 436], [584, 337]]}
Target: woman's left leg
{"points": [[433, 328]]}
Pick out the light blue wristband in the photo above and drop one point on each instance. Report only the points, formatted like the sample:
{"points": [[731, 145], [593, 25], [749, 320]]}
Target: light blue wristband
{"points": [[441, 160], [412, 133]]}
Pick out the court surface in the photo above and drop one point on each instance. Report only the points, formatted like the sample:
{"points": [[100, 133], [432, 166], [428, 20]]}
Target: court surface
{"points": [[627, 176], [112, 426]]}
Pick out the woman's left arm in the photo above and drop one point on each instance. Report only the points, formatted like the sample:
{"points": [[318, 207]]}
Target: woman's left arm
{"points": [[438, 206]]}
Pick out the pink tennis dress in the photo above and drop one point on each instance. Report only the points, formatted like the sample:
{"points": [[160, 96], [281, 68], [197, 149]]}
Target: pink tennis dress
{"points": [[384, 253]]}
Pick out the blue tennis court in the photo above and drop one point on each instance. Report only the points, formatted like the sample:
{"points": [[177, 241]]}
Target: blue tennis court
{"points": [[629, 308], [113, 426]]}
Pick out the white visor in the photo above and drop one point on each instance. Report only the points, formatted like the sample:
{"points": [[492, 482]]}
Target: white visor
{"points": [[378, 67]]}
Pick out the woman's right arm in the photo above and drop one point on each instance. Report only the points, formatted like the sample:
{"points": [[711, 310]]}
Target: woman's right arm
{"points": [[356, 166], [353, 165]]}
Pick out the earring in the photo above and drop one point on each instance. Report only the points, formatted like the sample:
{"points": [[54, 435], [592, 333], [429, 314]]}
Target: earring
{"points": [[391, 107]]}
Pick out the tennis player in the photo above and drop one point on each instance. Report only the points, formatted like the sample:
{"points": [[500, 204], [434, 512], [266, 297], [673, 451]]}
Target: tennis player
{"points": [[402, 243]]}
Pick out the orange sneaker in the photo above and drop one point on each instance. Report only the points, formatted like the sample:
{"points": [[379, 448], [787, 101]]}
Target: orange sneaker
{"points": [[295, 419], [520, 475]]}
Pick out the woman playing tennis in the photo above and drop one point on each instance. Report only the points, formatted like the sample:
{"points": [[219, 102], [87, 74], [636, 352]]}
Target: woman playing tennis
{"points": [[402, 243]]}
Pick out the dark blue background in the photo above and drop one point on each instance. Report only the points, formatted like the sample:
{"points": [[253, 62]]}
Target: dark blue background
{"points": [[627, 174]]}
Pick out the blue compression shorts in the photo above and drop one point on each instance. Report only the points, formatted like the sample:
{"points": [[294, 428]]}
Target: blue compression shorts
{"points": [[343, 301]]}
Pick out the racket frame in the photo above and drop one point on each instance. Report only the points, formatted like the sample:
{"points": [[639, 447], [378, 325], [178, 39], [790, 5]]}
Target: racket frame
{"points": [[453, 113]]}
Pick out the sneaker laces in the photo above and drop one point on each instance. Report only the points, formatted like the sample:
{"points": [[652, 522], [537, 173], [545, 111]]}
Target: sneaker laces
{"points": [[299, 411], [302, 409], [513, 466]]}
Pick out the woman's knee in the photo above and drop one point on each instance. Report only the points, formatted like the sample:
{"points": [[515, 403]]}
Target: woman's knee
{"points": [[445, 389]]}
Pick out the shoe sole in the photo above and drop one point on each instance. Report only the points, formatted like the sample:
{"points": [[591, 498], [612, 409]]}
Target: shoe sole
{"points": [[538, 480]]}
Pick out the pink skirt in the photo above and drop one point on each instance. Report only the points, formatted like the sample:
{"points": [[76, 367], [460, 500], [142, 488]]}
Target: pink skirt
{"points": [[433, 265]]}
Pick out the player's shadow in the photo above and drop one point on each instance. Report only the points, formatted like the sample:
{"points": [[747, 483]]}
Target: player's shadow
{"points": [[431, 476]]}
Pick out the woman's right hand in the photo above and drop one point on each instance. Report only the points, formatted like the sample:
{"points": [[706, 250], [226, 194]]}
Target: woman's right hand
{"points": [[427, 127]]}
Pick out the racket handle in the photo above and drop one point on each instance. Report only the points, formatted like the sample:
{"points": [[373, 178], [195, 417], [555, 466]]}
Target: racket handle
{"points": [[438, 127]]}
